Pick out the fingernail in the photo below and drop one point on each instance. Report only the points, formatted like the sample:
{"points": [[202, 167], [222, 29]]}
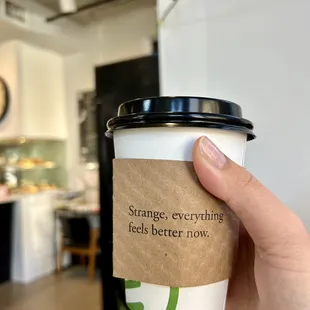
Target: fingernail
{"points": [[211, 153]]}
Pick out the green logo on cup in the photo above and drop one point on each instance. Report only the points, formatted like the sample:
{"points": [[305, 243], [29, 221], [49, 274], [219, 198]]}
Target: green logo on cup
{"points": [[172, 301], [129, 284], [173, 298]]}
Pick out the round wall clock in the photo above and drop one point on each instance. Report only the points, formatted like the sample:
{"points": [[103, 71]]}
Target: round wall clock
{"points": [[4, 99]]}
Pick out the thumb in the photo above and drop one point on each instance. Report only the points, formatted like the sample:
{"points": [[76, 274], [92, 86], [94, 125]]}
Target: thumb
{"points": [[269, 222]]}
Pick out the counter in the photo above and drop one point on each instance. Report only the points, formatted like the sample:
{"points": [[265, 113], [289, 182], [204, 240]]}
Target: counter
{"points": [[34, 236]]}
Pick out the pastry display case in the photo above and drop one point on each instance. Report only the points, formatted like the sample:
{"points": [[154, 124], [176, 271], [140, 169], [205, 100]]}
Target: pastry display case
{"points": [[28, 166]]}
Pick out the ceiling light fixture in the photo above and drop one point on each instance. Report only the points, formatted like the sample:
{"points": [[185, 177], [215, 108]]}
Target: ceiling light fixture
{"points": [[67, 6]]}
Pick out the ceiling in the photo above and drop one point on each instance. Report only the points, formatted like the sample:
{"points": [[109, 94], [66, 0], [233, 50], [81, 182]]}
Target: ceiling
{"points": [[99, 12]]}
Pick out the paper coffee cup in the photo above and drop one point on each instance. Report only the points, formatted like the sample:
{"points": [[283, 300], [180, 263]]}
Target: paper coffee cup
{"points": [[173, 242]]}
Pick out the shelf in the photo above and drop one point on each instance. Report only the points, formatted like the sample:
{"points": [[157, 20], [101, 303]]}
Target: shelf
{"points": [[33, 160], [18, 141], [38, 167]]}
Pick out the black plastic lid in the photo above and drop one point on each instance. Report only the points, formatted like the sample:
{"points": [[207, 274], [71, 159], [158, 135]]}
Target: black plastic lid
{"points": [[180, 111]]}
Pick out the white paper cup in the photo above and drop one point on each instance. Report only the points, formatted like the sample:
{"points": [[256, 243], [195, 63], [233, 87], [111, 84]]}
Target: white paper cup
{"points": [[174, 141]]}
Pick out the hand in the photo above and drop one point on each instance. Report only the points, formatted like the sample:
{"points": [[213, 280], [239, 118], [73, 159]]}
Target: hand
{"points": [[273, 264]]}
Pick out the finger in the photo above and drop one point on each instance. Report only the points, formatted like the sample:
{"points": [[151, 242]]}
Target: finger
{"points": [[267, 220]]}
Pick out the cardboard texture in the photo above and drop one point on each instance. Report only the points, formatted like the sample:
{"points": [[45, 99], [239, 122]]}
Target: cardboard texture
{"points": [[167, 229]]}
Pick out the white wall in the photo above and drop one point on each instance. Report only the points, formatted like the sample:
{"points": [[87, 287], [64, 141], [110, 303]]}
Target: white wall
{"points": [[35, 78], [42, 93], [255, 53], [9, 72], [125, 34]]}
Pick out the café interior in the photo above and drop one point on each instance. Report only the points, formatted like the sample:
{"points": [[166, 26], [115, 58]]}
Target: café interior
{"points": [[54, 56], [66, 65]]}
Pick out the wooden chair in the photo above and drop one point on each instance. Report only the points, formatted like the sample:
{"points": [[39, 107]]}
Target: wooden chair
{"points": [[87, 247]]}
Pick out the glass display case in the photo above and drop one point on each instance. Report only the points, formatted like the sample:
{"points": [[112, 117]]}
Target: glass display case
{"points": [[32, 165]]}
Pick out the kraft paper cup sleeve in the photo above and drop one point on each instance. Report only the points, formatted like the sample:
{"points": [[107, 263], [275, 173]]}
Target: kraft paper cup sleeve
{"points": [[193, 243]]}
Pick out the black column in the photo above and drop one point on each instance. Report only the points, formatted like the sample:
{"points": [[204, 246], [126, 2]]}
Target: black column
{"points": [[6, 212]]}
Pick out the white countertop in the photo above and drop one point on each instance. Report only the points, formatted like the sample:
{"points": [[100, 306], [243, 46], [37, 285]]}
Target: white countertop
{"points": [[16, 197]]}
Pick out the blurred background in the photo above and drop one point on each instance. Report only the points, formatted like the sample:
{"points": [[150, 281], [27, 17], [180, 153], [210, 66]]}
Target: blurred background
{"points": [[66, 65], [54, 55]]}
